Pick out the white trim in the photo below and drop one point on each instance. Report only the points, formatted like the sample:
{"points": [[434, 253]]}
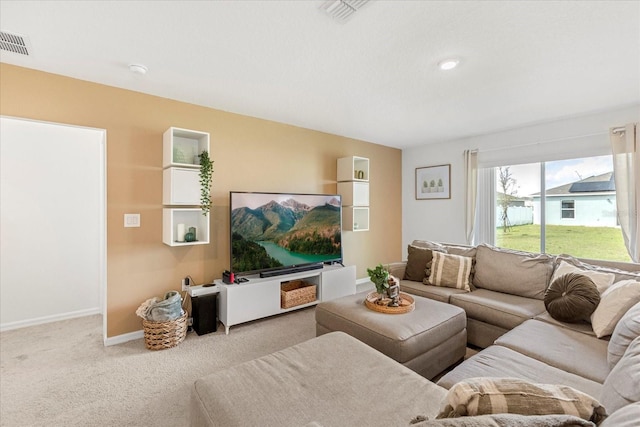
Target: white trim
{"points": [[102, 309], [362, 280], [121, 339], [48, 319]]}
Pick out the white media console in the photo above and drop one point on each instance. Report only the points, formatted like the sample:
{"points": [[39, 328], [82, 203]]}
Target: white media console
{"points": [[260, 297]]}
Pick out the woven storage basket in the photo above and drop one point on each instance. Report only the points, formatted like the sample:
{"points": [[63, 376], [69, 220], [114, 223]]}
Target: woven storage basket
{"points": [[161, 335], [296, 292]]}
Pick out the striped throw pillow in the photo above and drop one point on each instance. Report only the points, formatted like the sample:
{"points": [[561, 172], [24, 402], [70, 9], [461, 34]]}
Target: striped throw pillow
{"points": [[482, 395], [451, 271]]}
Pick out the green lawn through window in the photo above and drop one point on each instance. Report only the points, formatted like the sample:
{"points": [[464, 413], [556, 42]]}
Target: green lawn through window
{"points": [[582, 242]]}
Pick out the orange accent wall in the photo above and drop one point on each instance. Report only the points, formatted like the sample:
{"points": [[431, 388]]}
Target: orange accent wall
{"points": [[250, 155]]}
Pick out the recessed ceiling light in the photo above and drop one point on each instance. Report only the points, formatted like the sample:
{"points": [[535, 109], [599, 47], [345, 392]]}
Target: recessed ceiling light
{"points": [[138, 69], [448, 64]]}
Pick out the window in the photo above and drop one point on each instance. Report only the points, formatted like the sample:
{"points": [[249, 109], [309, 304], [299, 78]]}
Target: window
{"points": [[568, 209], [564, 206]]}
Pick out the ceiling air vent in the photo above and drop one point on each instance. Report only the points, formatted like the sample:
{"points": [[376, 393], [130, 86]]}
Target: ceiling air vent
{"points": [[14, 43], [341, 10]]}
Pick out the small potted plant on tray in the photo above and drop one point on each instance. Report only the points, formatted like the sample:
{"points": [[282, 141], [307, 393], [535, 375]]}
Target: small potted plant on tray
{"points": [[380, 277]]}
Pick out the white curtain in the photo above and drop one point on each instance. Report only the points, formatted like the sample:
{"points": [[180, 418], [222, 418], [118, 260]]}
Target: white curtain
{"points": [[471, 190], [626, 166]]}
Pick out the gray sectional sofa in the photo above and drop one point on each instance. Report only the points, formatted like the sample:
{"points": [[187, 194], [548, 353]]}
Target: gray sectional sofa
{"points": [[336, 380]]}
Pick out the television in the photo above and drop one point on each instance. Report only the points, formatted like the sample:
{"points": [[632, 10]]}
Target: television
{"points": [[281, 233]]}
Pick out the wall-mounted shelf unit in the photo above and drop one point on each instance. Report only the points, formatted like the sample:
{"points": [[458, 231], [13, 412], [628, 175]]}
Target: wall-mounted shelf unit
{"points": [[181, 186], [353, 186]]}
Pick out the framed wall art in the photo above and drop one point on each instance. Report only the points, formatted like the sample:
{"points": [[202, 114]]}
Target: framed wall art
{"points": [[433, 182]]}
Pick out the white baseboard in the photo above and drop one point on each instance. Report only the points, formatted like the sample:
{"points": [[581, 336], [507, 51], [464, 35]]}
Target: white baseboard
{"points": [[362, 280], [48, 319], [120, 339]]}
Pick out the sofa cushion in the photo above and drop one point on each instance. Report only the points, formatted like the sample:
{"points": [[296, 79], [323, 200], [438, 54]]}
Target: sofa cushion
{"points": [[627, 329], [584, 327], [429, 245], [497, 308], [327, 379], [497, 361], [417, 262], [627, 416], [601, 279], [563, 348], [437, 293], [571, 298], [622, 386], [614, 304], [451, 271], [620, 270], [512, 272], [480, 396]]}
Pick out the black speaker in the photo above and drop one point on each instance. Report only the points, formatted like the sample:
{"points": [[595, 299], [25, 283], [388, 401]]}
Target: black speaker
{"points": [[204, 310]]}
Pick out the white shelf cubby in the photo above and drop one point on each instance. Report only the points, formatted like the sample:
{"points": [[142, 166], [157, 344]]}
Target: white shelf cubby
{"points": [[180, 147], [181, 186], [354, 193], [349, 168], [190, 217], [355, 218]]}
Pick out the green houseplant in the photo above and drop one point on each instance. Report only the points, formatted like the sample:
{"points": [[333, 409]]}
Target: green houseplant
{"points": [[379, 276], [206, 176]]}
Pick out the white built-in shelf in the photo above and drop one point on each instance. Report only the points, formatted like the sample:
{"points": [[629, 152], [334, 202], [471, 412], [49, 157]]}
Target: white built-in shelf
{"points": [[349, 169], [355, 218], [181, 185], [353, 187], [181, 147], [190, 217]]}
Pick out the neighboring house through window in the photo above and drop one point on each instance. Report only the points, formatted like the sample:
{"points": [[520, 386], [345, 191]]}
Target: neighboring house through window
{"points": [[561, 206]]}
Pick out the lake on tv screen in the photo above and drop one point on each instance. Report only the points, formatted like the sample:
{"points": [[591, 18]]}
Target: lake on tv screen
{"points": [[293, 258]]}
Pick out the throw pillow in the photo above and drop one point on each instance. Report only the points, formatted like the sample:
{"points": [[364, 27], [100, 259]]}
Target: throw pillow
{"points": [[620, 388], [417, 261], [627, 329], [601, 279], [614, 303], [617, 272], [480, 396], [451, 271], [571, 298]]}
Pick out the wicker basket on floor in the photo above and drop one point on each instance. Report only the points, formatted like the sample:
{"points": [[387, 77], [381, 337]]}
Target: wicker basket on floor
{"points": [[161, 335]]}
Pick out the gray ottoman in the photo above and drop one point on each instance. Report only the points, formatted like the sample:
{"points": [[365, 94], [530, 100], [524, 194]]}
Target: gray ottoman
{"points": [[427, 340]]}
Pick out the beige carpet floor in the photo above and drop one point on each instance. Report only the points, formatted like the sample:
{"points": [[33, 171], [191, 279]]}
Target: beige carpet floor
{"points": [[60, 374]]}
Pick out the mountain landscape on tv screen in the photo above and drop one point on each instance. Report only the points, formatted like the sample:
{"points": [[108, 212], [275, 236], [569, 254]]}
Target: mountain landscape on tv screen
{"points": [[286, 233]]}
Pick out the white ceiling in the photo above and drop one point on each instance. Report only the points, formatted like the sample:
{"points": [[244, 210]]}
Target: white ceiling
{"points": [[373, 78]]}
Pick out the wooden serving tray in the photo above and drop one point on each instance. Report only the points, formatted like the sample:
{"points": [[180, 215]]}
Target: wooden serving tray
{"points": [[407, 304]]}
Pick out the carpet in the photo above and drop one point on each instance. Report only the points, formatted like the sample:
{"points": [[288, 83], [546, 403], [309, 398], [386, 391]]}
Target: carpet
{"points": [[60, 374]]}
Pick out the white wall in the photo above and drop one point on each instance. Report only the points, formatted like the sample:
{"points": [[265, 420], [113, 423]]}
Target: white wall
{"points": [[443, 220], [52, 221]]}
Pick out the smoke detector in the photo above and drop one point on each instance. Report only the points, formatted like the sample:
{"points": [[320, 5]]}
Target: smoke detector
{"points": [[14, 43], [138, 69], [342, 10]]}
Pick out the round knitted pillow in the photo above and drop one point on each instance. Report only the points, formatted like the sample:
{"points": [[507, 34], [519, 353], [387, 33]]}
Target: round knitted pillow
{"points": [[571, 298]]}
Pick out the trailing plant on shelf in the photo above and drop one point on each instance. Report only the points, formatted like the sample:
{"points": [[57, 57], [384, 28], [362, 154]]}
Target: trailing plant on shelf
{"points": [[206, 176], [380, 277]]}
